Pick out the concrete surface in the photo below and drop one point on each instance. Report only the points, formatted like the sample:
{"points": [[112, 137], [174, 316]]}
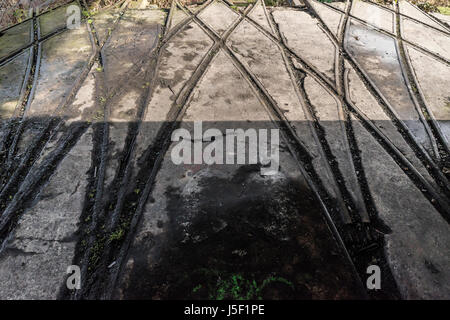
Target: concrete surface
{"points": [[88, 175]]}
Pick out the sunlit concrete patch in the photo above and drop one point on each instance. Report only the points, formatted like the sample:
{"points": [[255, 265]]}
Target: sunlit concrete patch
{"points": [[104, 22], [219, 16], [12, 76], [254, 49], [126, 64], [131, 44], [375, 15], [331, 117], [15, 38], [442, 17], [177, 16], [205, 225], [377, 55], [62, 60], [418, 246], [85, 101], [259, 15], [426, 37], [330, 17], [361, 97], [214, 103], [34, 261], [83, 109], [179, 59], [342, 5], [307, 39], [434, 81], [412, 11], [54, 19], [384, 4]]}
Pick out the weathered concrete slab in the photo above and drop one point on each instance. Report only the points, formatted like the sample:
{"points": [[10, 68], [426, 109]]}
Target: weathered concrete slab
{"points": [[441, 17], [254, 49], [15, 38], [434, 81], [54, 19], [305, 37], [377, 54], [375, 15], [418, 247], [131, 44], [104, 22], [219, 16], [126, 61], [177, 16], [34, 261], [62, 60], [190, 232], [412, 11], [179, 60], [342, 5], [330, 17], [83, 107], [435, 41], [12, 77], [258, 14]]}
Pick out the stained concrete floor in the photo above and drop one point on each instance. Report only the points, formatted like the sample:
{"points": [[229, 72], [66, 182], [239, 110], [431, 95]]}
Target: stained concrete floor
{"points": [[357, 92]]}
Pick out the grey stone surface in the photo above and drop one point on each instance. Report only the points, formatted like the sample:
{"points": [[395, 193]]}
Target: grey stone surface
{"points": [[179, 60], [177, 16], [330, 17], [307, 39], [132, 42], [441, 17], [62, 60], [339, 4], [218, 16], [426, 37], [433, 78], [259, 14], [127, 60], [254, 49], [375, 15], [54, 19], [104, 21], [34, 261], [373, 110]]}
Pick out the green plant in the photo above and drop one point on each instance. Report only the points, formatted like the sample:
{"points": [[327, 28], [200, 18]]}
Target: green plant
{"points": [[236, 286], [19, 14], [117, 235]]}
